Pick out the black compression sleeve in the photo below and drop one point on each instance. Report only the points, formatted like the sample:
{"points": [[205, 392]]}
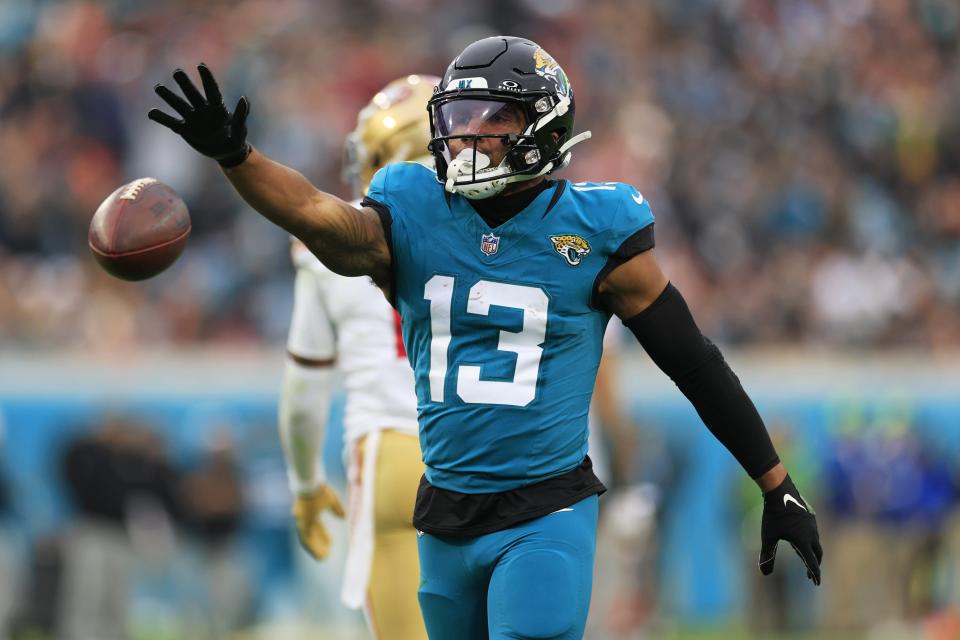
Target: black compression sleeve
{"points": [[668, 333]]}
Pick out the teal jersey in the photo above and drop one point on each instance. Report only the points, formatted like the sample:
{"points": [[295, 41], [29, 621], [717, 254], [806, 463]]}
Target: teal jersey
{"points": [[500, 325]]}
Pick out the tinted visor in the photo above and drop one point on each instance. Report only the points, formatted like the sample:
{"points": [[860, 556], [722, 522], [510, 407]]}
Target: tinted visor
{"points": [[479, 117], [479, 124]]}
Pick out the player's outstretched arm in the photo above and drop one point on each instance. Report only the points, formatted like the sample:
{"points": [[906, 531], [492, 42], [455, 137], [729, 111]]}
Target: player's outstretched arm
{"points": [[349, 241], [639, 294]]}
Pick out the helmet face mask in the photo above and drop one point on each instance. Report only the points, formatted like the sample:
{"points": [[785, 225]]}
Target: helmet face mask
{"points": [[486, 124], [490, 78]]}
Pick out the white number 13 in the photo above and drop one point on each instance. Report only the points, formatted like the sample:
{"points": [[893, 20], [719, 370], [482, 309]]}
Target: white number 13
{"points": [[526, 343]]}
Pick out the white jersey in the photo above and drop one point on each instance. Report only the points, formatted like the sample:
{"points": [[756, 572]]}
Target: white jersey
{"points": [[349, 319]]}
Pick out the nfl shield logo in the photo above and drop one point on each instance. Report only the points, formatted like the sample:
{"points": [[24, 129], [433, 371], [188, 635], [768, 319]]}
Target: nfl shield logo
{"points": [[489, 243]]}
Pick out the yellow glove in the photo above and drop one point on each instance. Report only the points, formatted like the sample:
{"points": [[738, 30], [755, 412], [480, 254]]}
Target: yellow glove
{"points": [[307, 509]]}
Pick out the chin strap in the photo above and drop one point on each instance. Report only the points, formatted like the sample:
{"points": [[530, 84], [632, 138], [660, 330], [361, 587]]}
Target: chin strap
{"points": [[564, 153], [463, 166], [470, 164], [563, 105]]}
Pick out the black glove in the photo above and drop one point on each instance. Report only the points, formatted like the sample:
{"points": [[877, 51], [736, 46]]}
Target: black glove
{"points": [[207, 126], [787, 517]]}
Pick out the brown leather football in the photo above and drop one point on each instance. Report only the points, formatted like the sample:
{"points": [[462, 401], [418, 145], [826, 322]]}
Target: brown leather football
{"points": [[139, 230]]}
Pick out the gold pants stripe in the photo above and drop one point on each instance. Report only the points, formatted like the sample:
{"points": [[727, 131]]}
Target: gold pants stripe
{"points": [[392, 609]]}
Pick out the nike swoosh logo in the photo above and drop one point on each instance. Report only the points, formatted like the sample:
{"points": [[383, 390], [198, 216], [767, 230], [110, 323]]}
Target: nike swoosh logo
{"points": [[559, 510], [789, 498], [638, 198]]}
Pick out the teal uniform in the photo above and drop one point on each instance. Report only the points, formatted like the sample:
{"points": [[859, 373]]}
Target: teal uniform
{"points": [[503, 333], [500, 324]]}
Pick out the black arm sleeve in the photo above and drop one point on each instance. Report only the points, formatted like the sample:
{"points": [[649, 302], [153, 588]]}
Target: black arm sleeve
{"points": [[668, 333]]}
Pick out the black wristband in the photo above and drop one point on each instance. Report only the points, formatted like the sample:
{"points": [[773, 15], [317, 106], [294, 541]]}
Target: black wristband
{"points": [[667, 331], [235, 159]]}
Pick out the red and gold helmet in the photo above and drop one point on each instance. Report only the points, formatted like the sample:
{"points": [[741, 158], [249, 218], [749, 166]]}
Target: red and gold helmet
{"points": [[393, 127]]}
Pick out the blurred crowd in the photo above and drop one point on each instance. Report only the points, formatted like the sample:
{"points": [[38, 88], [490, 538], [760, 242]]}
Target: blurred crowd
{"points": [[886, 488], [800, 155], [137, 519], [157, 541]]}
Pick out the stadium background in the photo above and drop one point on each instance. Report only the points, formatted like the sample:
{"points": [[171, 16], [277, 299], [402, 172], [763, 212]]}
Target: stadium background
{"points": [[801, 158]]}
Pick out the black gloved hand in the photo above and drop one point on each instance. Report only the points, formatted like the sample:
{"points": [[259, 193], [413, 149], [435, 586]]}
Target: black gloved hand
{"points": [[787, 517], [207, 126]]}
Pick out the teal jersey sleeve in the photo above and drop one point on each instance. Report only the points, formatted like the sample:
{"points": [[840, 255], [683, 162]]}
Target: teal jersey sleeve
{"points": [[378, 189], [380, 197], [401, 192], [633, 218], [624, 222], [402, 187]]}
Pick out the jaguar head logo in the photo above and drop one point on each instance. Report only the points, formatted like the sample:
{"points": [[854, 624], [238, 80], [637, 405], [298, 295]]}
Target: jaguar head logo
{"points": [[573, 248], [546, 67]]}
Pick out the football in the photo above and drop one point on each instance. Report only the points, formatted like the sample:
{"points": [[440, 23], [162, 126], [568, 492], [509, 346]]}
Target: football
{"points": [[139, 230]]}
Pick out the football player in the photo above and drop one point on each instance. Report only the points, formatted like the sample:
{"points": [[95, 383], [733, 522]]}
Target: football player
{"points": [[346, 322], [505, 281]]}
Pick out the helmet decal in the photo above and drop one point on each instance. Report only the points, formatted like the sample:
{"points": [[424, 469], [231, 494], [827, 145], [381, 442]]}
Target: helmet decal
{"points": [[546, 67], [392, 94], [467, 83]]}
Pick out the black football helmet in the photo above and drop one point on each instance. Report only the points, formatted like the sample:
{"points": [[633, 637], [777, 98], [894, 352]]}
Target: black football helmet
{"points": [[497, 80]]}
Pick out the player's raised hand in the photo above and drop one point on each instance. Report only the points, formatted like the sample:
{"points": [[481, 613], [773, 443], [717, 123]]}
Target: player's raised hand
{"points": [[205, 123], [307, 509], [786, 516]]}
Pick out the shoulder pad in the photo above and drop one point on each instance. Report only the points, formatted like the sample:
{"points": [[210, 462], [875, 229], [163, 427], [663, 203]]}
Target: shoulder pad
{"points": [[395, 179], [633, 210], [610, 191]]}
